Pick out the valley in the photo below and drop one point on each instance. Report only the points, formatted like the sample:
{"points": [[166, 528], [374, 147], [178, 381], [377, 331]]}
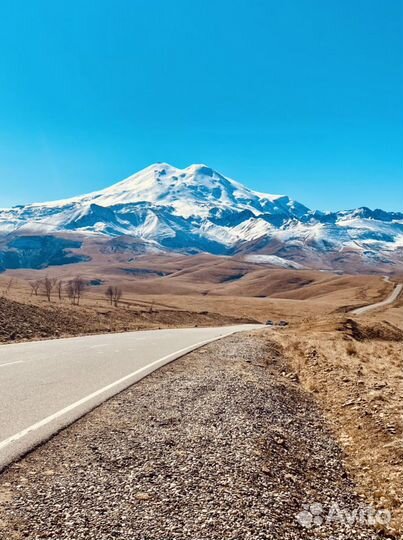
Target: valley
{"points": [[163, 291]]}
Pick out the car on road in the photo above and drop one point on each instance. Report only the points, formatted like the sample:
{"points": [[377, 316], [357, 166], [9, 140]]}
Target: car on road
{"points": [[283, 323], [269, 323]]}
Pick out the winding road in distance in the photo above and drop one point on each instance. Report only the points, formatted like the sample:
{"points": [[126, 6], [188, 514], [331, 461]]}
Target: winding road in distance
{"points": [[389, 300], [47, 385]]}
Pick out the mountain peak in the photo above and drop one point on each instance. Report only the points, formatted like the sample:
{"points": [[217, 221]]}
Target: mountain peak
{"points": [[196, 190], [199, 209], [191, 191]]}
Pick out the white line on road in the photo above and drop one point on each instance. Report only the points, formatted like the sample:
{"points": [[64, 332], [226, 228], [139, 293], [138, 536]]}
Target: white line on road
{"points": [[12, 363], [136, 375]]}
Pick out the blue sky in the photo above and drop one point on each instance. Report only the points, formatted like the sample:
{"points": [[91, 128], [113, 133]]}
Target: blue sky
{"points": [[303, 97]]}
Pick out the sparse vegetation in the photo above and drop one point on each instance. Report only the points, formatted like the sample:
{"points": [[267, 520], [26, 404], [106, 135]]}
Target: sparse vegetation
{"points": [[354, 370], [351, 349], [75, 288], [20, 321], [109, 294], [59, 286], [48, 285], [35, 285], [8, 287], [117, 295], [114, 294]]}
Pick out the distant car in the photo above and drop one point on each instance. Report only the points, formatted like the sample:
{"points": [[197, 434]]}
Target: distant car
{"points": [[283, 323], [269, 323]]}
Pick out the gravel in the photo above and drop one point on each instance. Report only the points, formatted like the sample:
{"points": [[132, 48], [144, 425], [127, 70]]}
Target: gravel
{"points": [[221, 444]]}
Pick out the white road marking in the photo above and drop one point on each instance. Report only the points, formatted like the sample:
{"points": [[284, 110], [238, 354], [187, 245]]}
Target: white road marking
{"points": [[12, 363], [146, 370]]}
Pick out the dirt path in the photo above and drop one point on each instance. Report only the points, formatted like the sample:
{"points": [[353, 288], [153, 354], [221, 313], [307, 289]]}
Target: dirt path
{"points": [[220, 445]]}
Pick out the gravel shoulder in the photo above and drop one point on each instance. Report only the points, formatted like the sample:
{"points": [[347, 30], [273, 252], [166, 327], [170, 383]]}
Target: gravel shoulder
{"points": [[221, 444]]}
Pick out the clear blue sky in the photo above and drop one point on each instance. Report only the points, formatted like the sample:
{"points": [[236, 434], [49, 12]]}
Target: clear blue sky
{"points": [[303, 97]]}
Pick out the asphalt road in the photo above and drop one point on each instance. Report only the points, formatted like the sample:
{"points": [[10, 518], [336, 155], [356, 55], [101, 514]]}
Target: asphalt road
{"points": [[46, 385], [389, 300]]}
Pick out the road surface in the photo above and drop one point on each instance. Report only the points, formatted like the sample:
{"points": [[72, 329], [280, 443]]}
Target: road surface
{"points": [[389, 300], [46, 385]]}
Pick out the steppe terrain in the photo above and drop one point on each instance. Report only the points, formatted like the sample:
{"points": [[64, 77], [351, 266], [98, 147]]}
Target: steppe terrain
{"points": [[330, 379], [169, 291]]}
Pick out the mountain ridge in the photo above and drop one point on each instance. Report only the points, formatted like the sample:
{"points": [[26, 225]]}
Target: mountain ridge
{"points": [[198, 209]]}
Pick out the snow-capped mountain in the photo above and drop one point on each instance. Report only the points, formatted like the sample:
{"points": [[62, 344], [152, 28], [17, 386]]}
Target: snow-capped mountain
{"points": [[198, 209]]}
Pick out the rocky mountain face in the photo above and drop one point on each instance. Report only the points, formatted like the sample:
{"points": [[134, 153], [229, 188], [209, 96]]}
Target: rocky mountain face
{"points": [[197, 209]]}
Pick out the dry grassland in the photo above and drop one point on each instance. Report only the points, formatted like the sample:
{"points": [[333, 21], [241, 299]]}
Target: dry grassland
{"points": [[355, 371]]}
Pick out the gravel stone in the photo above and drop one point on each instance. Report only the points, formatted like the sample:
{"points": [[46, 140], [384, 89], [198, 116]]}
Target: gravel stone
{"points": [[219, 445]]}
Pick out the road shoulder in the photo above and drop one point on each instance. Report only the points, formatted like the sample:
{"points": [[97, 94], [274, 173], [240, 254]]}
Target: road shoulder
{"points": [[220, 444]]}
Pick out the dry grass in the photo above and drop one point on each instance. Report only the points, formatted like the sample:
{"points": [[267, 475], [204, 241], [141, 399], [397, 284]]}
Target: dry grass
{"points": [[359, 383], [23, 321], [219, 285]]}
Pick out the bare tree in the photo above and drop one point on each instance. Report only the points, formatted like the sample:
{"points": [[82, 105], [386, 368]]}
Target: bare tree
{"points": [[9, 285], [117, 295], [109, 294], [48, 285], [59, 287], [70, 291], [7, 288], [35, 286], [113, 294], [79, 285], [75, 289]]}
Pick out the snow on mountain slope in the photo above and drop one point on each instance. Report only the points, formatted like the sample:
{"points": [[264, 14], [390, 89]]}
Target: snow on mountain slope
{"points": [[198, 209], [190, 191], [274, 260]]}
